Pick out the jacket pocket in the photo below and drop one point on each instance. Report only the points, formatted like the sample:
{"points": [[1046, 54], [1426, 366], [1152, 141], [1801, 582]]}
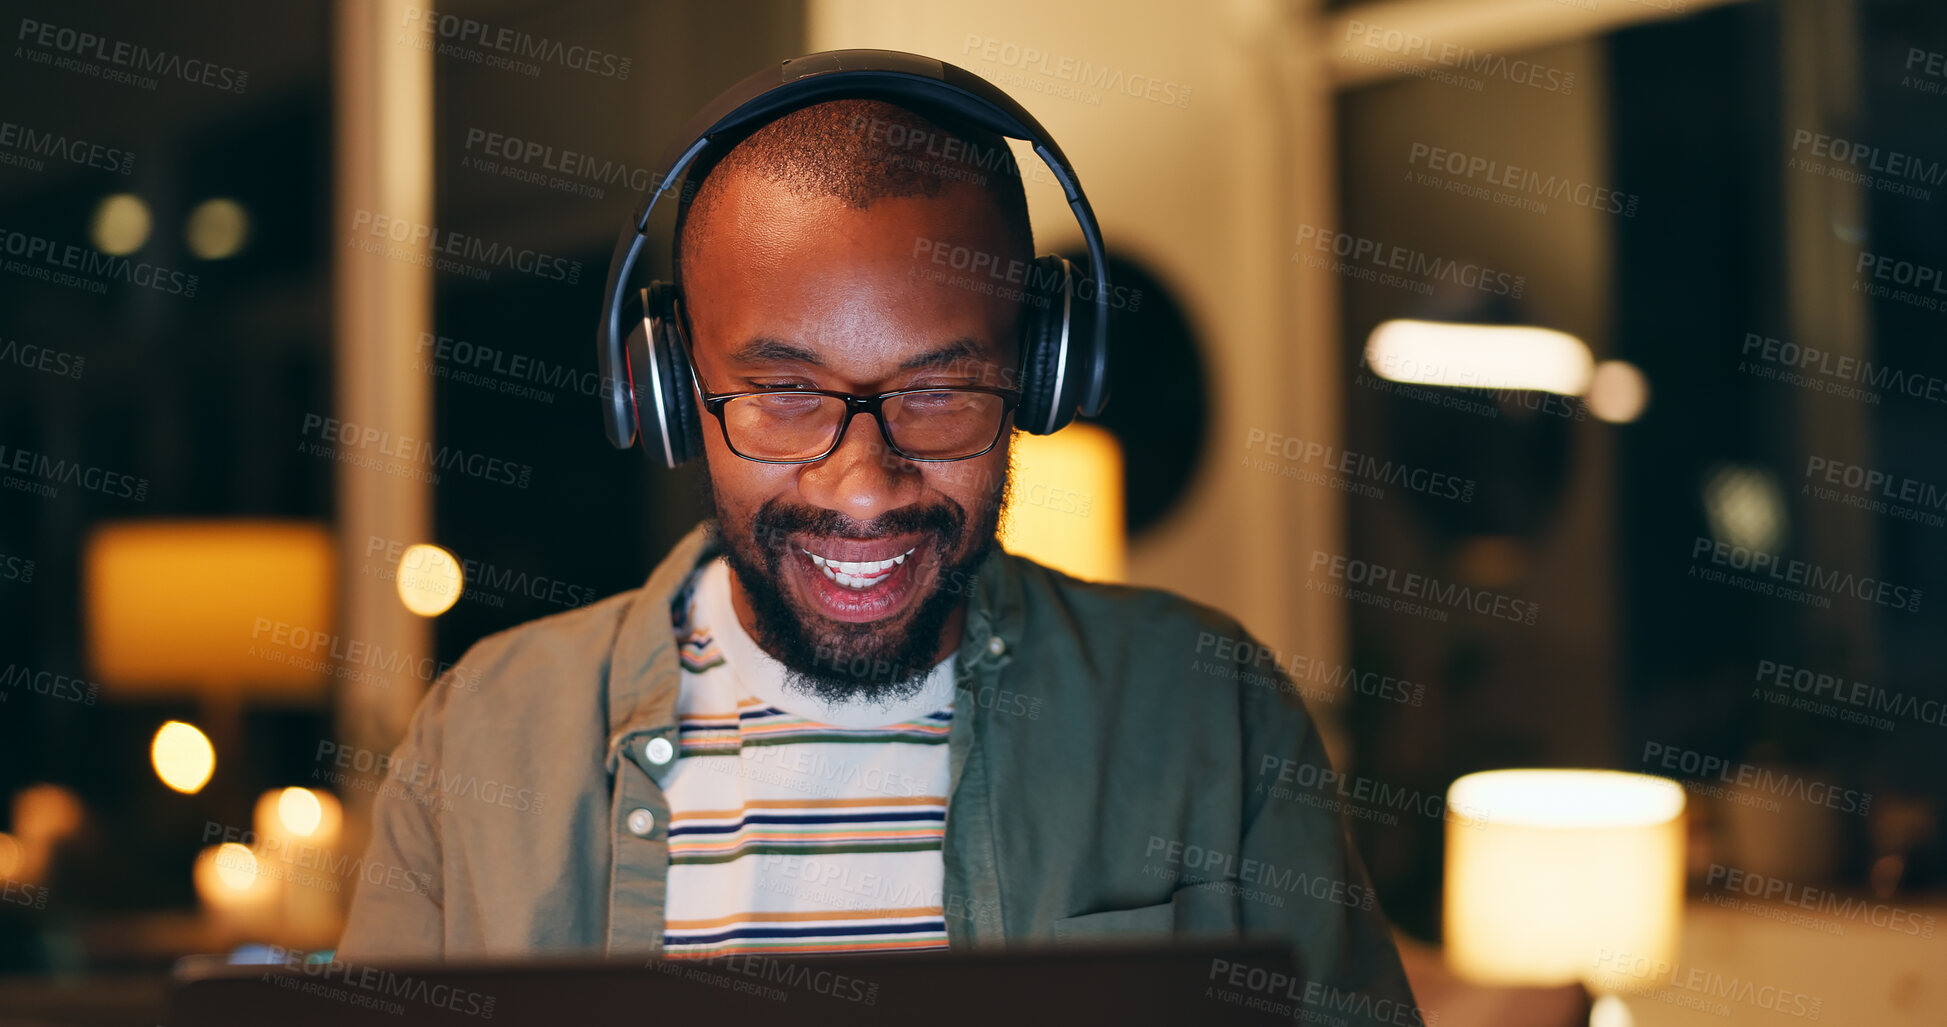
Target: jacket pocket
{"points": [[1138, 924], [1208, 909]]}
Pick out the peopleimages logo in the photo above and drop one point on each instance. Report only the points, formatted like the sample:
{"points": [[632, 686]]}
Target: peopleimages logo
{"points": [[1291, 674], [41, 358], [498, 370], [1784, 679], [1755, 778], [32, 147], [1527, 187], [1892, 276], [500, 47], [1818, 900], [1283, 994], [112, 55], [1851, 161], [417, 568], [1425, 588], [1426, 267], [564, 170], [1027, 278], [53, 473], [1082, 73], [467, 251], [16, 568], [1834, 369], [49, 684], [344, 441], [1779, 573], [49, 260], [1201, 865], [1334, 460], [1876, 491], [1431, 51], [349, 658], [1696, 988]]}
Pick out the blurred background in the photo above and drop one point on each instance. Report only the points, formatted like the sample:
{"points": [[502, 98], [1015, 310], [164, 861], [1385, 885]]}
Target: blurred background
{"points": [[1617, 321]]}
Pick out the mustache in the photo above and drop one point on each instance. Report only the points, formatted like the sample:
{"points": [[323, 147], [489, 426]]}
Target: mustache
{"points": [[776, 521]]}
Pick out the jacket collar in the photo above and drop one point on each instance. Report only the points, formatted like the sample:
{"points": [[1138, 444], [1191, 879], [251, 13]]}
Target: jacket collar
{"points": [[644, 674]]}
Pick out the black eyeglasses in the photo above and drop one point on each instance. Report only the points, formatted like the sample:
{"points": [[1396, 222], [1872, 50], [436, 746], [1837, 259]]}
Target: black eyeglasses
{"points": [[802, 426]]}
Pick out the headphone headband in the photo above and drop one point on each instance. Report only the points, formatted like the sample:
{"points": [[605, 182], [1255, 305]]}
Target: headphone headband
{"points": [[772, 92]]}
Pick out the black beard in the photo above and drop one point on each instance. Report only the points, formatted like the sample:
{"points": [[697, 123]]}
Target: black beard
{"points": [[839, 662]]}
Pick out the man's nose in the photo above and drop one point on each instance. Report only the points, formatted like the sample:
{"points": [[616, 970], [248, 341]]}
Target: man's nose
{"points": [[863, 478]]}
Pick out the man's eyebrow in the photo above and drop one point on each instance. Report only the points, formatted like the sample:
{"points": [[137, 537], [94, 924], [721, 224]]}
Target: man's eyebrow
{"points": [[958, 349], [768, 350]]}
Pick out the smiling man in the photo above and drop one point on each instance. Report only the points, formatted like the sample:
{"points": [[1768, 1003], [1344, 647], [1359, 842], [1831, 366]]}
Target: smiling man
{"points": [[838, 717]]}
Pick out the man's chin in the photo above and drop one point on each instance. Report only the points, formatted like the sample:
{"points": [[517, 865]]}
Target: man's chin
{"points": [[880, 660]]}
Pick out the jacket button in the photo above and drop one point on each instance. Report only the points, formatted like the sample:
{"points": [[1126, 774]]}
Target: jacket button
{"points": [[658, 750], [996, 646], [641, 822]]}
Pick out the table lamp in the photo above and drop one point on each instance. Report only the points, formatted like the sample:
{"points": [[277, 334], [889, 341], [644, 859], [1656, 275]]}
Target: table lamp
{"points": [[1066, 505], [219, 611], [1557, 876]]}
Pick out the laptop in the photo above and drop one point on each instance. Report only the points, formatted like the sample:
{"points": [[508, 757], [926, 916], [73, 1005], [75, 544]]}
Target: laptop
{"points": [[1203, 983]]}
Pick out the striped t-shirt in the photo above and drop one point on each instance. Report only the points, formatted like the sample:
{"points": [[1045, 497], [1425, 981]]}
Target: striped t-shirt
{"points": [[797, 825]]}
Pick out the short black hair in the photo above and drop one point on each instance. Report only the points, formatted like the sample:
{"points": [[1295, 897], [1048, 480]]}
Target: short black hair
{"points": [[861, 151]]}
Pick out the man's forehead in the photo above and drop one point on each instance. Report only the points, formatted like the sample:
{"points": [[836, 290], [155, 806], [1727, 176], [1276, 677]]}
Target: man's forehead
{"points": [[869, 358], [810, 281], [770, 350]]}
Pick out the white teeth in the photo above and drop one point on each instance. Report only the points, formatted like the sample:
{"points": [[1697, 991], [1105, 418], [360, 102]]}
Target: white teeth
{"points": [[854, 573]]}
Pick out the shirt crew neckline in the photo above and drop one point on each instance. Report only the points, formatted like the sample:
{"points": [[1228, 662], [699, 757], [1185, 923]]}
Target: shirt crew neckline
{"points": [[763, 676]]}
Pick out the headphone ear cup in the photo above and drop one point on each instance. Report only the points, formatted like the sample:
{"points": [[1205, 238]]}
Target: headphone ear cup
{"points": [[1045, 333], [687, 419], [660, 391]]}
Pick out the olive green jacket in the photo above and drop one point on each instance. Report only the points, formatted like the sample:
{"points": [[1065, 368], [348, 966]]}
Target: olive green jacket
{"points": [[1114, 775]]}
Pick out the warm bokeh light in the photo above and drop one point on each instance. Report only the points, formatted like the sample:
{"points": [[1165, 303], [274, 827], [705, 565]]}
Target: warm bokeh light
{"points": [[46, 814], [1066, 505], [43, 816], [236, 866], [1567, 798], [217, 229], [1610, 1011], [1479, 356], [239, 897], [1549, 869], [430, 579], [1745, 506], [299, 810], [121, 224], [1618, 392], [183, 757]]}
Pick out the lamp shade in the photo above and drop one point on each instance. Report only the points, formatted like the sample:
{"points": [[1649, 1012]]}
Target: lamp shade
{"points": [[1553, 874], [1065, 510], [191, 608]]}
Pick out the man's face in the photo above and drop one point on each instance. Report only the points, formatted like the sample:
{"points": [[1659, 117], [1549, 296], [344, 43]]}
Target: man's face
{"points": [[783, 291]]}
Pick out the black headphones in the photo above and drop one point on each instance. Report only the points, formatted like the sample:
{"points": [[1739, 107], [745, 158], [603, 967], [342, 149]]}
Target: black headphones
{"points": [[1064, 337]]}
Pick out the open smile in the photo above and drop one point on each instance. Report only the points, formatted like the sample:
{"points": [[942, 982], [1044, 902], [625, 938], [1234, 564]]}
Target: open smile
{"points": [[858, 581]]}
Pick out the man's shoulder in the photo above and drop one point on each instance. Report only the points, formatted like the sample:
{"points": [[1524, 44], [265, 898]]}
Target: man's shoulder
{"points": [[554, 659], [1148, 652], [575, 629], [1131, 632], [1111, 612]]}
